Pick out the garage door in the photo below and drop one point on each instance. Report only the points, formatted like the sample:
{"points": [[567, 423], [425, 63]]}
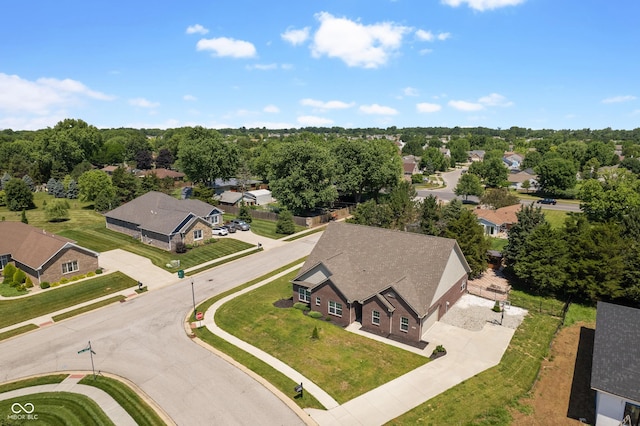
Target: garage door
{"points": [[428, 321]]}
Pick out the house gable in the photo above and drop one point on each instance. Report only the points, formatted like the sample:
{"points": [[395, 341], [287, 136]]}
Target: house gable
{"points": [[452, 273]]}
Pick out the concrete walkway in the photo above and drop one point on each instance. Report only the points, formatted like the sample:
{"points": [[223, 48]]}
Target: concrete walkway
{"points": [[468, 353], [112, 409]]}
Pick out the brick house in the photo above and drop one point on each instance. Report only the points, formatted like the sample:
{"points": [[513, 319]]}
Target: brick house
{"points": [[497, 221], [162, 221], [41, 255], [396, 284]]}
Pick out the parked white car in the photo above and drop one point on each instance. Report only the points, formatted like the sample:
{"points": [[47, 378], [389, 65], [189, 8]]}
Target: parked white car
{"points": [[219, 231]]}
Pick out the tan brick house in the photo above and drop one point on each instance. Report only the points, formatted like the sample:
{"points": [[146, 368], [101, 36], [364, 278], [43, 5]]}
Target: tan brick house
{"points": [[162, 221], [396, 284], [41, 255]]}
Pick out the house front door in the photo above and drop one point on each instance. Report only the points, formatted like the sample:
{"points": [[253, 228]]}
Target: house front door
{"points": [[358, 309]]}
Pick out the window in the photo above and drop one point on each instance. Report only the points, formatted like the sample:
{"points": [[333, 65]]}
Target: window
{"points": [[304, 295], [404, 324], [375, 317], [4, 259], [317, 301], [335, 308], [69, 267], [216, 219], [633, 411], [197, 234]]}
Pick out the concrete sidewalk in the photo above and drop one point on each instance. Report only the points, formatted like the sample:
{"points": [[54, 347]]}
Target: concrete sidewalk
{"points": [[112, 409]]}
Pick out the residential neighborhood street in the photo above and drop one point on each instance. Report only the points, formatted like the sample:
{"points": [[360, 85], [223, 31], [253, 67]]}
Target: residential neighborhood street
{"points": [[143, 339]]}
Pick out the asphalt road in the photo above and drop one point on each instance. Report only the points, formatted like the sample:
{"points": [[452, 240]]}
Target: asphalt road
{"points": [[144, 341]]}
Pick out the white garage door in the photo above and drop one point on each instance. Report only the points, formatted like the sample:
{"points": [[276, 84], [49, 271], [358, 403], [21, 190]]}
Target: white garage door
{"points": [[428, 321]]}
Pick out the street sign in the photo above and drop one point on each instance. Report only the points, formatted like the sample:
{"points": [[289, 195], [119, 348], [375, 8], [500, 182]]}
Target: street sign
{"points": [[199, 316], [84, 350]]}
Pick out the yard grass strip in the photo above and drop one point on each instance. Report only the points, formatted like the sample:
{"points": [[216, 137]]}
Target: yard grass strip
{"points": [[264, 370], [52, 300], [222, 262], [302, 235], [263, 227], [344, 364], [486, 398], [17, 331], [88, 308], [61, 408], [127, 398], [50, 379]]}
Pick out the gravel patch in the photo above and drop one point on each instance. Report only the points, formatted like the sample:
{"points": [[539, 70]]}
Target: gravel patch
{"points": [[473, 313]]}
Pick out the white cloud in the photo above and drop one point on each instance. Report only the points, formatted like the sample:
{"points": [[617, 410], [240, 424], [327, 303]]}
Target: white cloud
{"points": [[443, 36], [286, 66], [272, 109], [425, 35], [44, 94], [313, 121], [196, 29], [295, 37], [262, 67], [224, 46], [378, 109], [357, 45], [143, 103], [425, 51], [495, 99], [617, 99], [465, 106], [410, 91], [482, 5], [189, 98], [427, 107], [170, 123], [326, 105]]}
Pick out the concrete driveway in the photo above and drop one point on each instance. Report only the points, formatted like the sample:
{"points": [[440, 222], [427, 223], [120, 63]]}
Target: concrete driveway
{"points": [[137, 267]]}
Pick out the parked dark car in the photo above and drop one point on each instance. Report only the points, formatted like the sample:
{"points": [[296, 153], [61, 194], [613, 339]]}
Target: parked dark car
{"points": [[547, 201], [241, 224], [229, 227]]}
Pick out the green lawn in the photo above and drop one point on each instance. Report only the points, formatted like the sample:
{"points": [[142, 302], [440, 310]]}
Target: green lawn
{"points": [[127, 398], [17, 331], [485, 399], [344, 364], [88, 308], [555, 217], [18, 310], [34, 381], [98, 238], [265, 228], [498, 243], [8, 291], [59, 408]]}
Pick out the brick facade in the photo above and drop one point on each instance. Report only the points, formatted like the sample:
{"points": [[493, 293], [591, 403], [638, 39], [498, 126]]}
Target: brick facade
{"points": [[199, 225], [328, 293], [52, 270]]}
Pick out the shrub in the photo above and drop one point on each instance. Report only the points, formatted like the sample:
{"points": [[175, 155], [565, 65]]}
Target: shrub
{"points": [[315, 314], [75, 278], [417, 178], [44, 284], [496, 307], [91, 274], [285, 223], [99, 271], [301, 306], [181, 247], [19, 277], [314, 334], [28, 283], [64, 281], [244, 213], [56, 284], [9, 271], [21, 287]]}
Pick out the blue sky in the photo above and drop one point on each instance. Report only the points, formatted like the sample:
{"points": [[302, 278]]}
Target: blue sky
{"points": [[555, 64]]}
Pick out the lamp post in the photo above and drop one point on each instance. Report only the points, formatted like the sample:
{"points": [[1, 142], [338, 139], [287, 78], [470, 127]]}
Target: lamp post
{"points": [[193, 295]]}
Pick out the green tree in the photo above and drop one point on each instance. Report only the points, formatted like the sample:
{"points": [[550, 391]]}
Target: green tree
{"points": [[430, 216], [204, 156], [402, 205], [301, 175], [469, 184], [8, 273], [285, 224], [144, 159], [244, 213], [542, 264], [72, 190], [371, 213], [18, 195], [529, 218], [382, 166], [459, 149], [498, 198], [106, 199], [556, 175], [491, 170], [433, 160], [91, 183], [531, 160], [165, 159], [526, 185], [126, 185], [68, 144], [611, 197], [57, 210], [471, 239], [23, 217]]}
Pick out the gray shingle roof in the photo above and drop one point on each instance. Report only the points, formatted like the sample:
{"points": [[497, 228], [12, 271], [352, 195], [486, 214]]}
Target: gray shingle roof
{"points": [[365, 260], [158, 212], [616, 364]]}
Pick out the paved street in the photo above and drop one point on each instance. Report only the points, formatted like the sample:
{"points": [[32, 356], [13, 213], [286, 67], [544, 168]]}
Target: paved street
{"points": [[143, 340]]}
